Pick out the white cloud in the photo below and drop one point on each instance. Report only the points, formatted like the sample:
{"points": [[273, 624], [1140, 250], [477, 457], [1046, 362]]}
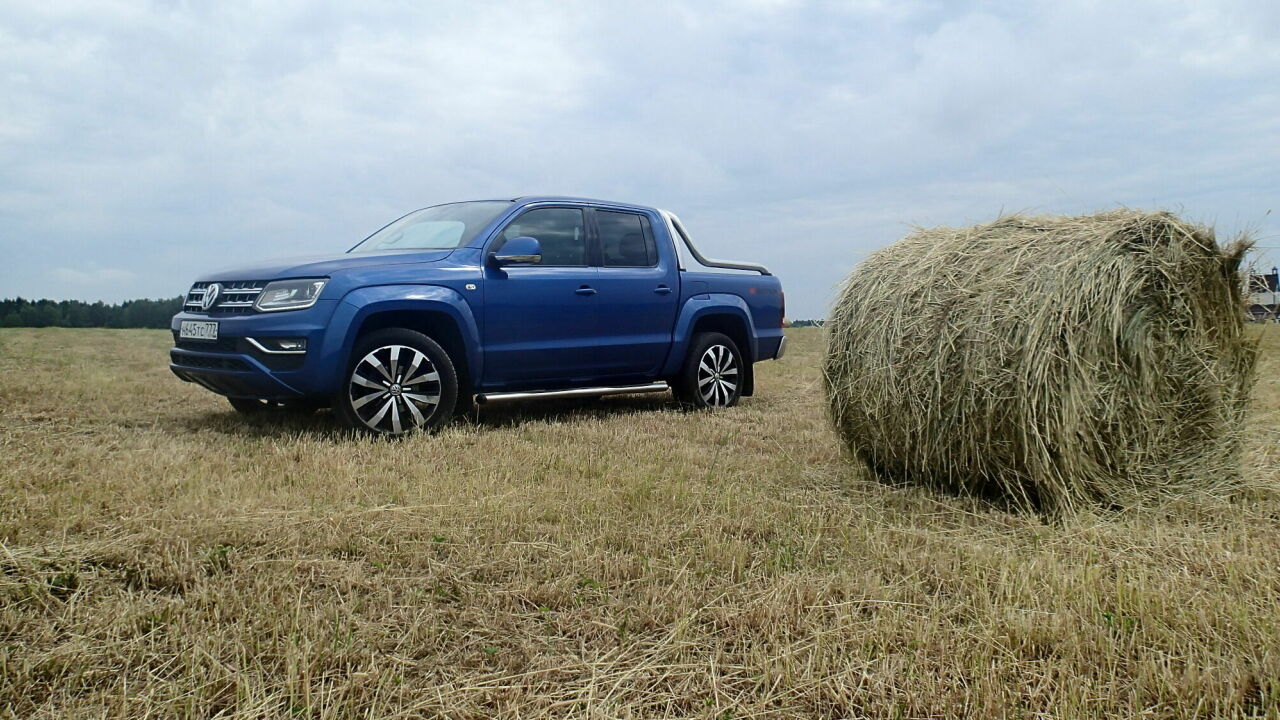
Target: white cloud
{"points": [[160, 140]]}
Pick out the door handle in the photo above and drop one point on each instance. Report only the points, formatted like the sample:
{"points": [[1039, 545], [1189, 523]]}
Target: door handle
{"points": [[585, 290], [662, 290]]}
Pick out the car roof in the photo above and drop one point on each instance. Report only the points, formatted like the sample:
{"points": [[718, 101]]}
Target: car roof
{"points": [[529, 199]]}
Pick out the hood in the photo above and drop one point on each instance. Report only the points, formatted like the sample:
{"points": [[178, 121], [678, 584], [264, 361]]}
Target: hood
{"points": [[320, 265]]}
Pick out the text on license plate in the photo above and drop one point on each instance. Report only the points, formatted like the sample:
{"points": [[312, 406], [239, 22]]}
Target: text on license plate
{"points": [[195, 330]]}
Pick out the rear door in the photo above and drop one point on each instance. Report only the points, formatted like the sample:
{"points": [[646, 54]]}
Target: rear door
{"points": [[540, 320], [639, 289]]}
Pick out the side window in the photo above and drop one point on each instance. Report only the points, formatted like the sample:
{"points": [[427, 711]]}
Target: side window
{"points": [[625, 240], [560, 231]]}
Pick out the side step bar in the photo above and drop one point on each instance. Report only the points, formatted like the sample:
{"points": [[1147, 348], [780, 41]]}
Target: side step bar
{"points": [[576, 392]]}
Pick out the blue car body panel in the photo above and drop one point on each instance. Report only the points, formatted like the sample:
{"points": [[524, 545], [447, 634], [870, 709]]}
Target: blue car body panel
{"points": [[521, 327], [360, 304], [322, 265]]}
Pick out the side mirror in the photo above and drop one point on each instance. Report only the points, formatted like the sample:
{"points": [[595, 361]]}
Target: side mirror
{"points": [[522, 250]]}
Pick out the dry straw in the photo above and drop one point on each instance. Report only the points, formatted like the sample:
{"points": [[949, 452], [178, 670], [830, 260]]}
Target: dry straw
{"points": [[1048, 361]]}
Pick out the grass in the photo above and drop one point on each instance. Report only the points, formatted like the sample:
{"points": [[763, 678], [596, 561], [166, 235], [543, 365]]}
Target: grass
{"points": [[164, 557]]}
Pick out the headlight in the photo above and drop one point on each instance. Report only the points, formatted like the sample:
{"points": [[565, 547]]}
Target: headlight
{"points": [[290, 294]]}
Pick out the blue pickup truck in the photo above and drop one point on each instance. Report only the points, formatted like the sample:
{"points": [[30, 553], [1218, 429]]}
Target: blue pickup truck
{"points": [[476, 302]]}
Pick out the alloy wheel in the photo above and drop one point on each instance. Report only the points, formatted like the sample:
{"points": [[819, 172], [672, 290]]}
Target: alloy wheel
{"points": [[394, 389], [717, 376]]}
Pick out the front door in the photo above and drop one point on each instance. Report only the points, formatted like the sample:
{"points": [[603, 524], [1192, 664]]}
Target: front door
{"points": [[540, 321]]}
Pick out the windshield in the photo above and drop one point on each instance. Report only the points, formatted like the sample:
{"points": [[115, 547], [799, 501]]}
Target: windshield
{"points": [[443, 227]]}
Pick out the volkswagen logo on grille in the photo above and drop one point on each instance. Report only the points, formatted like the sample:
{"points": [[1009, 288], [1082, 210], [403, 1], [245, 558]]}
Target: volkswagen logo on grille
{"points": [[210, 296]]}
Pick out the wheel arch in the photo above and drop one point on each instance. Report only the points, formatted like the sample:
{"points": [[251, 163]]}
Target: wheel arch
{"points": [[437, 312], [435, 324], [722, 313]]}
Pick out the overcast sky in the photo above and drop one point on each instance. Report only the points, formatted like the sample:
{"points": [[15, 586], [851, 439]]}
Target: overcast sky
{"points": [[143, 143]]}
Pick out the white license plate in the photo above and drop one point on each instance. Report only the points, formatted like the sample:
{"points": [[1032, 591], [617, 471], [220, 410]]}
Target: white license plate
{"points": [[195, 330]]}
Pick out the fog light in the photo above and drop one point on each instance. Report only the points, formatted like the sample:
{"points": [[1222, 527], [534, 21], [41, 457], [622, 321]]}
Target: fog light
{"points": [[291, 346]]}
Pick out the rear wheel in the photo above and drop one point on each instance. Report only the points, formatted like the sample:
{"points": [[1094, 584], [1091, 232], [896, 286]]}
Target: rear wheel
{"points": [[397, 381], [712, 374]]}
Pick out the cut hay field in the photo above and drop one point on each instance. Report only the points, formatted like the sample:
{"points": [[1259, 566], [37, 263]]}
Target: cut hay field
{"points": [[163, 557]]}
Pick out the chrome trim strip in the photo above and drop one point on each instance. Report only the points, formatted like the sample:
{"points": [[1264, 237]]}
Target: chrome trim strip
{"points": [[518, 259], [258, 345], [195, 297], [575, 392], [782, 348], [253, 289]]}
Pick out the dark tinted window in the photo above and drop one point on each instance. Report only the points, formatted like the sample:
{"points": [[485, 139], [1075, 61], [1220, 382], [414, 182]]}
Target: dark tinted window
{"points": [[624, 241], [560, 231]]}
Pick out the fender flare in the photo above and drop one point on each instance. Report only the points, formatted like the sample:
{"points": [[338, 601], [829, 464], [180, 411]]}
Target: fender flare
{"points": [[358, 305], [700, 306]]}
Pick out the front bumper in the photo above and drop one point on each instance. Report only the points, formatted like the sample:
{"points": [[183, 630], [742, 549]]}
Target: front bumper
{"points": [[233, 366]]}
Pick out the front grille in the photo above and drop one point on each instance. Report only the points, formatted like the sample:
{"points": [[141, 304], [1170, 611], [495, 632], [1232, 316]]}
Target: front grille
{"points": [[233, 297], [233, 345], [226, 344], [207, 362]]}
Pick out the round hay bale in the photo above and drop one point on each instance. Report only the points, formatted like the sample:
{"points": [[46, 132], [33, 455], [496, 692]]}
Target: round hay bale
{"points": [[1048, 361]]}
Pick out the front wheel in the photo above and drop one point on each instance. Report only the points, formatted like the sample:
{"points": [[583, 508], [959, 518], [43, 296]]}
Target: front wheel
{"points": [[397, 381], [712, 374]]}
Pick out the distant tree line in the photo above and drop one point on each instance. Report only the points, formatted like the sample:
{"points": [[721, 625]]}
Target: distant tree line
{"points": [[20, 312]]}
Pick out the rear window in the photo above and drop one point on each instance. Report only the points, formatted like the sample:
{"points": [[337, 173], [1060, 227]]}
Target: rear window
{"points": [[625, 239]]}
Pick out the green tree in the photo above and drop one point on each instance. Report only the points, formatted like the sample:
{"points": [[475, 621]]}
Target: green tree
{"points": [[20, 312]]}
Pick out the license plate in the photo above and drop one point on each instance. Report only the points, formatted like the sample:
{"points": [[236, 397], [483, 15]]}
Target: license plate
{"points": [[195, 330]]}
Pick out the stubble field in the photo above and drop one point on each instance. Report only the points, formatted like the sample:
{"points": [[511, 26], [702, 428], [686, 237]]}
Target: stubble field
{"points": [[161, 556]]}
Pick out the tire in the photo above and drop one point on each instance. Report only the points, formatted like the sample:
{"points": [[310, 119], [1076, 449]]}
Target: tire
{"points": [[712, 375], [374, 397], [256, 406]]}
